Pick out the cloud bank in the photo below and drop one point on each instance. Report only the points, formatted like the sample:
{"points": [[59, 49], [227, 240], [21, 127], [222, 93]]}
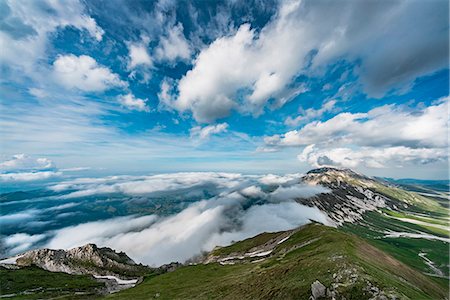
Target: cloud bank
{"points": [[206, 210], [200, 227], [25, 168], [389, 135]]}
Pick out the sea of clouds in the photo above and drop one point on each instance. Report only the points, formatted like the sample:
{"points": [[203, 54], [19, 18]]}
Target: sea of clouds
{"points": [[218, 209]]}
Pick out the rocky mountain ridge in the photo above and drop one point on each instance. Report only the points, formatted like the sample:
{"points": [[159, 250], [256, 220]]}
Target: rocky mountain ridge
{"points": [[87, 259], [352, 194]]}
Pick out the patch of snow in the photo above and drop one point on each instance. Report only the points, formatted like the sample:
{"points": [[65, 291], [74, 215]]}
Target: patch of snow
{"points": [[259, 254], [283, 240], [434, 195], [421, 235], [10, 260], [414, 221], [429, 263], [118, 280], [223, 263]]}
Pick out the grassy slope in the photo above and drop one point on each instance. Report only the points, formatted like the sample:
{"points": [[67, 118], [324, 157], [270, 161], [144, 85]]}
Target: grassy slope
{"points": [[35, 283], [404, 249], [245, 244], [288, 275]]}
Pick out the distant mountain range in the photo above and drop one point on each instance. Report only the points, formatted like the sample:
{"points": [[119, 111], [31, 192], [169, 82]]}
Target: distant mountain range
{"points": [[390, 241]]}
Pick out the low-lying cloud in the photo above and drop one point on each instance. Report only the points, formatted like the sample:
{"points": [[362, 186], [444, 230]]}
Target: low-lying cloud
{"points": [[200, 227], [217, 209], [21, 168]]}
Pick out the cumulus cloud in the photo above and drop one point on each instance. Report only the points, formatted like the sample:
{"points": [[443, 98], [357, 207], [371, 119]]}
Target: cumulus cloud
{"points": [[206, 131], [371, 157], [138, 54], [25, 168], [227, 217], [139, 59], [20, 162], [246, 69], [174, 46], [385, 136], [390, 131], [84, 73], [133, 103], [27, 26]]}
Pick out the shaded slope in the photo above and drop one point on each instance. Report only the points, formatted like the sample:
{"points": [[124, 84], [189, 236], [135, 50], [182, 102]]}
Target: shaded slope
{"points": [[35, 283]]}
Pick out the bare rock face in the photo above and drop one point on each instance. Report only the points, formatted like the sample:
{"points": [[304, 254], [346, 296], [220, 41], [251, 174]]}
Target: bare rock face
{"points": [[352, 194], [87, 259], [318, 290]]}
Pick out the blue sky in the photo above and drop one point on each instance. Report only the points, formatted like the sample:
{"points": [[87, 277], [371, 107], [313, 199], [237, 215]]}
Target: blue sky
{"points": [[243, 86]]}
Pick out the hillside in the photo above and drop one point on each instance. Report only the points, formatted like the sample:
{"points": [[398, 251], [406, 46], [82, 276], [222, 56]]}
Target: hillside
{"points": [[36, 283], [389, 241], [286, 265]]}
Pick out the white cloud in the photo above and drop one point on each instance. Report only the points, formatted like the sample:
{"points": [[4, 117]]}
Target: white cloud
{"points": [[203, 225], [29, 176], [205, 132], [83, 73], [297, 191], [253, 191], [383, 126], [227, 207], [20, 162], [21, 242], [25, 168], [370, 157], [174, 46], [37, 21], [386, 136], [18, 217], [271, 179], [244, 70], [139, 56], [139, 60], [133, 103], [149, 184]]}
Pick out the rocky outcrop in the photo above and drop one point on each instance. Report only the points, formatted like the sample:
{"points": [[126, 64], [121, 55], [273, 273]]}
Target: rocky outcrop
{"points": [[318, 290], [352, 194], [87, 259]]}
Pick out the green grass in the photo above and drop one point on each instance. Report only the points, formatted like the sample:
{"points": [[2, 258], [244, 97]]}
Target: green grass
{"points": [[405, 214], [288, 274], [35, 283], [417, 202], [245, 245], [405, 250]]}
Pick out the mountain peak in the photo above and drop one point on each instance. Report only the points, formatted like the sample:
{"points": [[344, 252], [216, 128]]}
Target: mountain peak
{"points": [[332, 169], [87, 259]]}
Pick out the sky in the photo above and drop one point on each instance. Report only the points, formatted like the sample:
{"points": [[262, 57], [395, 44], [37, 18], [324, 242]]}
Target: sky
{"points": [[140, 87]]}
